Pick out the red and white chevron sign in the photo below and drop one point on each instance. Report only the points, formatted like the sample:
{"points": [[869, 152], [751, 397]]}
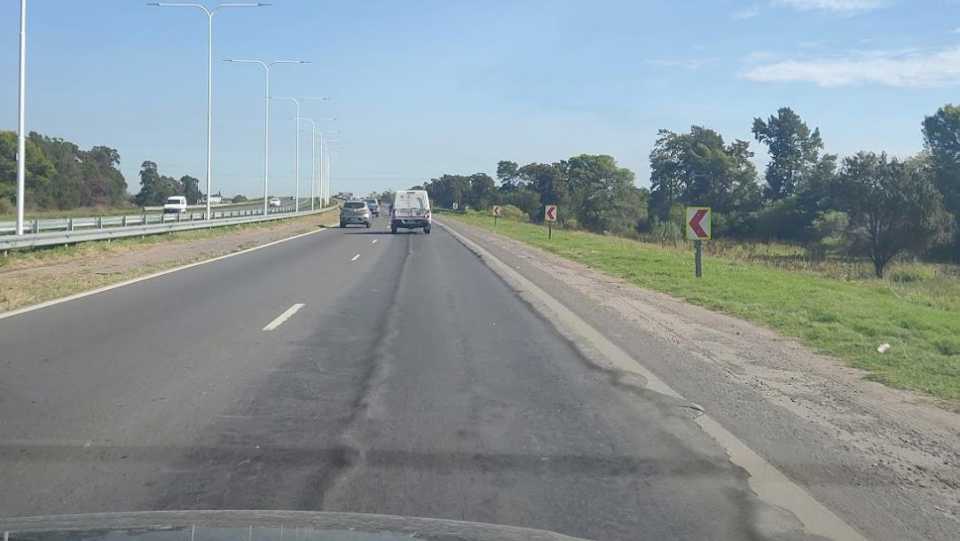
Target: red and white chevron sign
{"points": [[550, 213], [698, 223]]}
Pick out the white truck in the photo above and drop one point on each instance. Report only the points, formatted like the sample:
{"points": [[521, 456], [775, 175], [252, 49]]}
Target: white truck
{"points": [[175, 204], [410, 210]]}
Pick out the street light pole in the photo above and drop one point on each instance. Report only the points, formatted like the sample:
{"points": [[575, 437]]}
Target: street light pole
{"points": [[22, 119], [210, 13], [325, 166], [323, 182], [296, 101], [317, 168], [266, 122], [313, 163]]}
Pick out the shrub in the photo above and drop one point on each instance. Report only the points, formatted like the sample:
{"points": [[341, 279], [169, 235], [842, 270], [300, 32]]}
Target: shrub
{"points": [[906, 277], [511, 212], [666, 232]]}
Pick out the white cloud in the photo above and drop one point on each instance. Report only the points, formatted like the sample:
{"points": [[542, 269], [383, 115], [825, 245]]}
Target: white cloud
{"points": [[745, 13], [839, 6], [904, 68]]}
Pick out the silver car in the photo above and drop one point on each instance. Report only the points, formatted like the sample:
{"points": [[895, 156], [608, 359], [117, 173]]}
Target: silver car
{"points": [[355, 212]]}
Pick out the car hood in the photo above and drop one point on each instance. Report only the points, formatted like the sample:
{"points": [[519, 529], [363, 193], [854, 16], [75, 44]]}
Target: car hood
{"points": [[260, 525]]}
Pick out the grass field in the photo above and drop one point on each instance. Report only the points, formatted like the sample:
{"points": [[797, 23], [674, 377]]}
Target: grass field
{"points": [[826, 305]]}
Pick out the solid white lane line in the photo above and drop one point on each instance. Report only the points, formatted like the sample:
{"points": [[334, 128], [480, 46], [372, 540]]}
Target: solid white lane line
{"points": [[356, 257], [283, 317], [374, 241], [24, 310]]}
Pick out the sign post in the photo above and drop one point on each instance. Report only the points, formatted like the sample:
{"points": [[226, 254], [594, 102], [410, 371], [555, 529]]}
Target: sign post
{"points": [[550, 216], [698, 229], [496, 214]]}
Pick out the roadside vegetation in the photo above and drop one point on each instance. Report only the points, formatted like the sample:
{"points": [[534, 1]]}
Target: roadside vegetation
{"points": [[844, 253], [868, 206], [832, 304], [64, 180]]}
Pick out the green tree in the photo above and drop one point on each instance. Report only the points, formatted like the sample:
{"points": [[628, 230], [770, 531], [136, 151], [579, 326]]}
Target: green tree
{"points": [[941, 138], [447, 190], [61, 175], [191, 189], [601, 193], [793, 217], [483, 191], [550, 182], [154, 187], [103, 173], [39, 171], [893, 206], [698, 168], [522, 198], [507, 174], [794, 151]]}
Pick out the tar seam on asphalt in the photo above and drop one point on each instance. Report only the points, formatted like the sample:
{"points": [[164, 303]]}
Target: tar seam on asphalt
{"points": [[350, 454]]}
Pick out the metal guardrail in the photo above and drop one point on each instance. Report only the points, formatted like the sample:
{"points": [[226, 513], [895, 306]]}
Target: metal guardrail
{"points": [[73, 230], [151, 214]]}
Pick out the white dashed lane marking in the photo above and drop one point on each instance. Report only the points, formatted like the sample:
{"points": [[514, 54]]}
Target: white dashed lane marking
{"points": [[283, 317]]}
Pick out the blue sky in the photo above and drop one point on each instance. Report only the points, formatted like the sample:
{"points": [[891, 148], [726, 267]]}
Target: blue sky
{"points": [[421, 88]]}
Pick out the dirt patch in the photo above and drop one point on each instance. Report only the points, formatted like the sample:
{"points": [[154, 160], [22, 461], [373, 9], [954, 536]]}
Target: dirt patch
{"points": [[36, 276], [915, 438]]}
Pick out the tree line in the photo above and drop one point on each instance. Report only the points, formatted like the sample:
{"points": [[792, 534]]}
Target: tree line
{"points": [[156, 188], [61, 176], [868, 204], [592, 191]]}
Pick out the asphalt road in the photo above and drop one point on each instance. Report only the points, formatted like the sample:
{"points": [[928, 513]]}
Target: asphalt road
{"points": [[412, 381]]}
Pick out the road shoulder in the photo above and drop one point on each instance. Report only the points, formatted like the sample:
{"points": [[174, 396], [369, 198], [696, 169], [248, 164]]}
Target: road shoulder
{"points": [[885, 460]]}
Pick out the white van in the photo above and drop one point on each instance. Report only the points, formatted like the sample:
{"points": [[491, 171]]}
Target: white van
{"points": [[410, 210], [175, 204]]}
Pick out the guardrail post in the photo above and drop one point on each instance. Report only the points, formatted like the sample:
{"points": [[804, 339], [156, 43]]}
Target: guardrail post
{"points": [[143, 219], [36, 225], [69, 224], [99, 222], [123, 221], [178, 217], [162, 216]]}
